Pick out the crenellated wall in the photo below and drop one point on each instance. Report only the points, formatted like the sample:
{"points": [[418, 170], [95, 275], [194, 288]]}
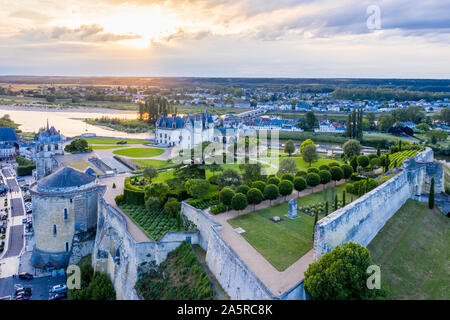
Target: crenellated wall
{"points": [[361, 220]]}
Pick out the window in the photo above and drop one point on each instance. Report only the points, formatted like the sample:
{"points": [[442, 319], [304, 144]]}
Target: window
{"points": [[67, 246], [65, 214], [54, 229]]}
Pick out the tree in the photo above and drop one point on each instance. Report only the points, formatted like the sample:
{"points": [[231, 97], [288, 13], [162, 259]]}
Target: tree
{"points": [[259, 185], [289, 147], [335, 203], [299, 184], [431, 196], [198, 188], [325, 177], [285, 188], [271, 192], [311, 119], [239, 202], [242, 189], [336, 174], [251, 171], [152, 204], [316, 218], [301, 173], [341, 275], [309, 154], [354, 163], [326, 208], [149, 173], [226, 196], [343, 198], [352, 148], [385, 122], [313, 179], [158, 190], [305, 143], [273, 180], [387, 162], [287, 176], [348, 171], [288, 166], [172, 207], [254, 196], [50, 98], [313, 170], [229, 178], [78, 145], [363, 161]]}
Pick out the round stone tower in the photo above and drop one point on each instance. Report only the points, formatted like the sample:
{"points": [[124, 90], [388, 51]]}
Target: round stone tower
{"points": [[65, 207]]}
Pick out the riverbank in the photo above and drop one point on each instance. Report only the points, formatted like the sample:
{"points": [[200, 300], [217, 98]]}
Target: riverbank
{"points": [[58, 108]]}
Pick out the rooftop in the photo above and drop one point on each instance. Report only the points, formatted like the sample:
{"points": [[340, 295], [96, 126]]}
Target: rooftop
{"points": [[65, 177]]}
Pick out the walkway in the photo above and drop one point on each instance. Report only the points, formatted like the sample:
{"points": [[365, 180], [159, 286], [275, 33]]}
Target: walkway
{"points": [[277, 282]]}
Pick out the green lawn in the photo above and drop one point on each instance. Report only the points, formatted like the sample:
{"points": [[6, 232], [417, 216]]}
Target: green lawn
{"points": [[139, 152], [285, 242], [388, 137], [106, 147], [412, 250], [280, 243], [158, 164], [164, 176], [113, 141]]}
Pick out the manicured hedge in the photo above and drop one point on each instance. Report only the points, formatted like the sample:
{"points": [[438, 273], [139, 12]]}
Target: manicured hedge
{"points": [[133, 194]]}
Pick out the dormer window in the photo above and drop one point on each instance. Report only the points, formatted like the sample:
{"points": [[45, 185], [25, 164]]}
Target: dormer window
{"points": [[66, 215]]}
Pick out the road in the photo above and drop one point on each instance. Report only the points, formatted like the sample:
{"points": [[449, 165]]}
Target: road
{"points": [[40, 286]]}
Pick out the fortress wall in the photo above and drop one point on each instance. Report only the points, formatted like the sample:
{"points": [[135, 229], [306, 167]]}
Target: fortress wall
{"points": [[232, 273], [117, 254], [361, 220]]}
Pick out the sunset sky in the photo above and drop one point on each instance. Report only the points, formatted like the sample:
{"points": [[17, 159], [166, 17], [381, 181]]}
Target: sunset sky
{"points": [[225, 38]]}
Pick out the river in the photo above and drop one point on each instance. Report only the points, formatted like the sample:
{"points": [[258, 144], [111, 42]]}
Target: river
{"points": [[68, 121]]}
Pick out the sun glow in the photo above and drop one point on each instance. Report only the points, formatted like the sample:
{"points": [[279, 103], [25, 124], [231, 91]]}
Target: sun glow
{"points": [[147, 24]]}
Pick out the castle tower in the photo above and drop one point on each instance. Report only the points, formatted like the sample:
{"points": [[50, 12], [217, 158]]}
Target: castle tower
{"points": [[65, 205], [48, 143]]}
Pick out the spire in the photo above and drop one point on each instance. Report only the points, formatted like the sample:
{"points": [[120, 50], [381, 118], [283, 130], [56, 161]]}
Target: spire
{"points": [[47, 124]]}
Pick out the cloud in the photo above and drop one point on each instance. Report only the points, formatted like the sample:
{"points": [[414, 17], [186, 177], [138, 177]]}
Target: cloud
{"points": [[87, 33], [34, 16]]}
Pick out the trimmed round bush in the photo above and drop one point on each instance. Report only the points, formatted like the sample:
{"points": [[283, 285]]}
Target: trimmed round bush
{"points": [[363, 161], [301, 173], [348, 170], [334, 164], [242, 189], [273, 180], [226, 196], [312, 179], [325, 176], [255, 196], [324, 167], [337, 173], [300, 184], [288, 176], [239, 202], [285, 187], [271, 192], [259, 185], [313, 170], [213, 180]]}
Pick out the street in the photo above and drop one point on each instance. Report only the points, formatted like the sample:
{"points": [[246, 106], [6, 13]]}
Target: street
{"points": [[40, 286]]}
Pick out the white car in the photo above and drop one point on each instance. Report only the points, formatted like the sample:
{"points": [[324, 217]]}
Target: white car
{"points": [[59, 288]]}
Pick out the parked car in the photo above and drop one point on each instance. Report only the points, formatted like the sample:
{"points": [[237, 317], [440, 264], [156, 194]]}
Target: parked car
{"points": [[59, 288], [59, 296], [22, 297], [25, 276]]}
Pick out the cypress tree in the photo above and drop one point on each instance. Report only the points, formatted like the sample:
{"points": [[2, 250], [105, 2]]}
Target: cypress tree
{"points": [[343, 198], [326, 208], [431, 196], [316, 217], [335, 203], [378, 151]]}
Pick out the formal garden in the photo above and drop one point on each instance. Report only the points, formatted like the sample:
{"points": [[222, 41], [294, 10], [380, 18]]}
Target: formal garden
{"points": [[152, 197]]}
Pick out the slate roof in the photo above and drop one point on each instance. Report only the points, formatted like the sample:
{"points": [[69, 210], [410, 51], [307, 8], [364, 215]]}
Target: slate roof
{"points": [[8, 134], [48, 135], [65, 177], [180, 122]]}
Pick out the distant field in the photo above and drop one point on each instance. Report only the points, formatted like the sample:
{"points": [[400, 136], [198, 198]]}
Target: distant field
{"points": [[139, 152], [386, 136], [200, 109], [412, 251], [113, 141]]}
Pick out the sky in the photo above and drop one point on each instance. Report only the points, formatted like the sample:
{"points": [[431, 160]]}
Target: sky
{"points": [[226, 38]]}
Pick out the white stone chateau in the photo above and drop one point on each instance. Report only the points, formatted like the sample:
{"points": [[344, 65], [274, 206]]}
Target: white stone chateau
{"points": [[184, 132]]}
